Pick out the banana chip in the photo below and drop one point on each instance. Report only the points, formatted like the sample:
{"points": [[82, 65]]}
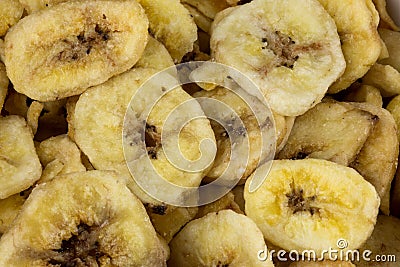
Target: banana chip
{"points": [[98, 122], [85, 44], [10, 14], [224, 238], [290, 49], [19, 163], [311, 204], [377, 160], [331, 130], [171, 24], [357, 22], [80, 219]]}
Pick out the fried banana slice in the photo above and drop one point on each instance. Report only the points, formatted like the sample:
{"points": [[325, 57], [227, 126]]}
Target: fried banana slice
{"points": [[19, 163], [99, 117], [171, 24], [224, 238], [357, 22], [311, 204], [86, 43], [83, 218], [10, 13], [290, 49], [331, 130], [377, 160]]}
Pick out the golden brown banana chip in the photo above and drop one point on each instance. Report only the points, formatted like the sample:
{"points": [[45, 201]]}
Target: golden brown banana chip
{"points": [[82, 219], [224, 238], [357, 22], [3, 85], [86, 43], [333, 131], [19, 163], [10, 14]]}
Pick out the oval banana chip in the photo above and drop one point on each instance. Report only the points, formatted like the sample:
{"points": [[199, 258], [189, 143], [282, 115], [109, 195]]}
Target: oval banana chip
{"points": [[62, 50], [222, 238], [93, 220], [290, 49], [312, 204]]}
